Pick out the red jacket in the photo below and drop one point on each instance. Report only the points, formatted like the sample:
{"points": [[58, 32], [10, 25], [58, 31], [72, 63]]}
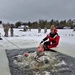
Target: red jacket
{"points": [[55, 43], [53, 38]]}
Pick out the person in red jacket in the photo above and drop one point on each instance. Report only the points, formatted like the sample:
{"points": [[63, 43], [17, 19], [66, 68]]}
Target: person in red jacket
{"points": [[52, 37]]}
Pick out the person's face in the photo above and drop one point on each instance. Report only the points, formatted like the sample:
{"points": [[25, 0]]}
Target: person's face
{"points": [[40, 48], [52, 31]]}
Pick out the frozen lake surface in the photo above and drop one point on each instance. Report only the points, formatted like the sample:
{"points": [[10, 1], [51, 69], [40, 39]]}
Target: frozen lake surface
{"points": [[22, 40]]}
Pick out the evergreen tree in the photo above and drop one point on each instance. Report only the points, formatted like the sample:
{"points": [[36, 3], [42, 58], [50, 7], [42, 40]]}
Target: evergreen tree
{"points": [[17, 24]]}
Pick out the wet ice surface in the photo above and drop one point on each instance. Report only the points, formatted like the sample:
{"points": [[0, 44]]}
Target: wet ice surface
{"points": [[59, 64]]}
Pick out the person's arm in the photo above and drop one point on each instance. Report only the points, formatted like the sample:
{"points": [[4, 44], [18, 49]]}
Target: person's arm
{"points": [[44, 39]]}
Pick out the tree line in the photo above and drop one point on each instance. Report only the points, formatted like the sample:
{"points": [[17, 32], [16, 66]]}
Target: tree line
{"points": [[44, 23]]}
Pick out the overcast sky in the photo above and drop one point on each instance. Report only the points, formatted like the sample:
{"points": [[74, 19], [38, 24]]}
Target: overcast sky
{"points": [[33, 10]]}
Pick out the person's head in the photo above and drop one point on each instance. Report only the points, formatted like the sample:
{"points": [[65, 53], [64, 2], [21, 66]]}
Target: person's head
{"points": [[52, 28], [40, 48]]}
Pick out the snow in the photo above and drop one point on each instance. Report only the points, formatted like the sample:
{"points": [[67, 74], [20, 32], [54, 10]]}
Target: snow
{"points": [[67, 35], [61, 63], [32, 38]]}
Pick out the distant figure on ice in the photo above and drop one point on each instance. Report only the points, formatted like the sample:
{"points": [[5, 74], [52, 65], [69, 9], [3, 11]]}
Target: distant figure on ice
{"points": [[74, 29], [11, 29], [52, 37], [6, 29], [39, 29], [45, 29], [29, 28], [0, 37]]}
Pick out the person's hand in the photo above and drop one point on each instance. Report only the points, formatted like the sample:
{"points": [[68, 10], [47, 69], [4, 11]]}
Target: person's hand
{"points": [[45, 47], [26, 54]]}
